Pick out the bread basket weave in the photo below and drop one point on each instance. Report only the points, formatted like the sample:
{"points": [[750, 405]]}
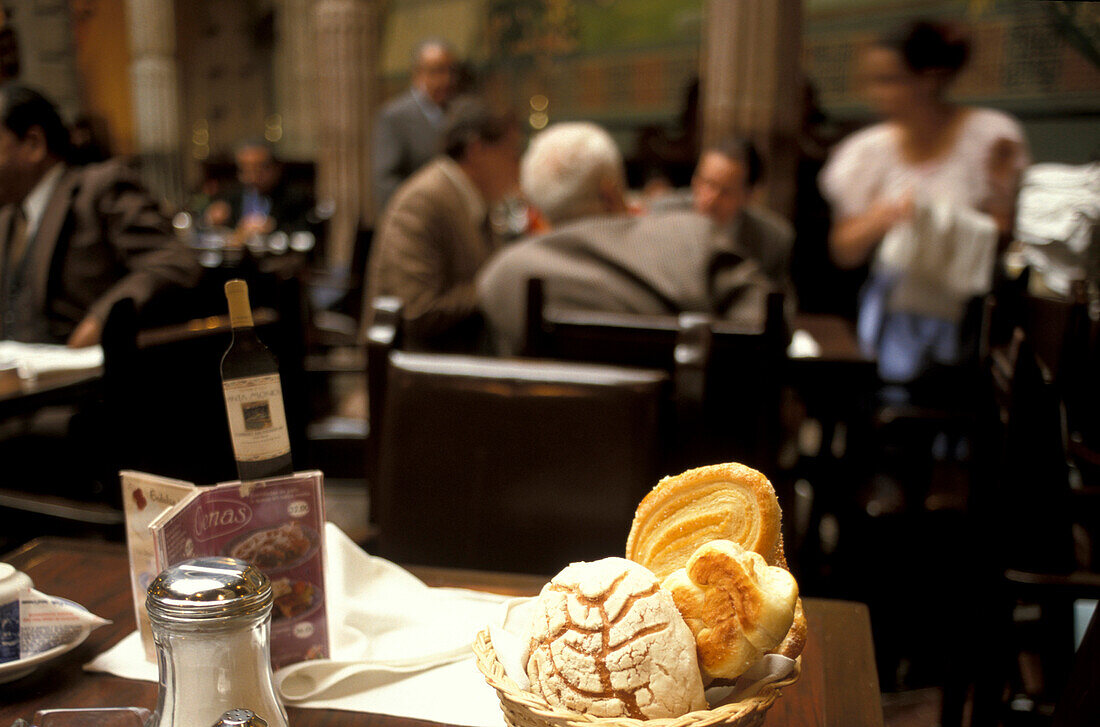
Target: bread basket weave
{"points": [[526, 709]]}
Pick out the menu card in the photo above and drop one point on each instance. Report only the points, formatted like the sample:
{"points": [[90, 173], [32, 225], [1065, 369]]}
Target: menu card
{"points": [[144, 498], [278, 526]]}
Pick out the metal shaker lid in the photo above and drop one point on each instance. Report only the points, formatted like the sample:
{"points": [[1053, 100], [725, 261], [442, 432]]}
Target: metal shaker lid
{"points": [[205, 589], [240, 718]]}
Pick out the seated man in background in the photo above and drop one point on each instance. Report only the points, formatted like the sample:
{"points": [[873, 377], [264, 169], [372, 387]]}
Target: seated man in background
{"points": [[598, 257], [721, 188], [435, 234], [73, 241], [264, 201]]}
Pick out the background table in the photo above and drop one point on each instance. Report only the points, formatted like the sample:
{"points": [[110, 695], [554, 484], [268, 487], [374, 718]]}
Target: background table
{"points": [[839, 685], [64, 388]]}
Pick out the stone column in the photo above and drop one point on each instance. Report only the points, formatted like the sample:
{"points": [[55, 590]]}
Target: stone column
{"points": [[154, 79], [296, 78], [47, 58], [751, 84], [347, 35]]}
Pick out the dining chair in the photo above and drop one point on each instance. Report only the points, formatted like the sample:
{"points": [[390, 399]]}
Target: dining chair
{"points": [[1027, 571], [1080, 700], [506, 464], [1066, 338], [727, 377]]}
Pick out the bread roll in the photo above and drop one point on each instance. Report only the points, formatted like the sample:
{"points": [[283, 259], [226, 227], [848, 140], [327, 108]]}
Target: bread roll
{"points": [[607, 641], [795, 640], [718, 502], [737, 606]]}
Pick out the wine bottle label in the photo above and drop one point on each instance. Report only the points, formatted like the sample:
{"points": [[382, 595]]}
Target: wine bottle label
{"points": [[257, 421]]}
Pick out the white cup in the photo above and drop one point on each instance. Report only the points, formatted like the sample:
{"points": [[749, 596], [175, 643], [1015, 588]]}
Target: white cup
{"points": [[13, 583]]}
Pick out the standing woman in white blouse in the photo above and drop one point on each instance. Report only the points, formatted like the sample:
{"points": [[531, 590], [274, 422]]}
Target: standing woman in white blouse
{"points": [[926, 151]]}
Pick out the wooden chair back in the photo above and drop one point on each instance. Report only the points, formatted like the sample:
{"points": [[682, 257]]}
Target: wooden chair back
{"points": [[1023, 509], [507, 464], [726, 377]]}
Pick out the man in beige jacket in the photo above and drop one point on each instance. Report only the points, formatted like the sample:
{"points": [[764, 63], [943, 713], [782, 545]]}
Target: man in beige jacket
{"points": [[434, 235]]}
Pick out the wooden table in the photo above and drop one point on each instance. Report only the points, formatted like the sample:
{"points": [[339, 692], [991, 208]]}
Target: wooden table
{"points": [[835, 335], [839, 685], [65, 387]]}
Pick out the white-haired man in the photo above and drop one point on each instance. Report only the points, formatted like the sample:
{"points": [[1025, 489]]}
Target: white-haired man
{"points": [[598, 257]]}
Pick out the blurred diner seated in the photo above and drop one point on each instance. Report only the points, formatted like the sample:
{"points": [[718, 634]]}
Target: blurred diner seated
{"points": [[435, 234], [927, 195], [409, 127], [721, 188], [73, 240], [597, 256], [264, 200]]}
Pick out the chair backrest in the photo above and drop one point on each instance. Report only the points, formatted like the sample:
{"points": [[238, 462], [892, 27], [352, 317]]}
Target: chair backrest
{"points": [[1024, 503], [1067, 341], [727, 377], [508, 464]]}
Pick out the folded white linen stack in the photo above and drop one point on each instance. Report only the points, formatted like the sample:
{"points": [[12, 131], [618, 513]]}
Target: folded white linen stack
{"points": [[35, 360], [1057, 214], [399, 647]]}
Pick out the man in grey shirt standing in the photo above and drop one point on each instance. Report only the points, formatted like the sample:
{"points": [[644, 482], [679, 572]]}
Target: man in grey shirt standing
{"points": [[408, 129]]}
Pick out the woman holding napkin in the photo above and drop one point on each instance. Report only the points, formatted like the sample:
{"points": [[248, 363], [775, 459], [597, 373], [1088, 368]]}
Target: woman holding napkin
{"points": [[924, 195]]}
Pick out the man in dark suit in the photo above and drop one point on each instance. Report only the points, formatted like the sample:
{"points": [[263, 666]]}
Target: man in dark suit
{"points": [[408, 129], [598, 257], [264, 201], [73, 240]]}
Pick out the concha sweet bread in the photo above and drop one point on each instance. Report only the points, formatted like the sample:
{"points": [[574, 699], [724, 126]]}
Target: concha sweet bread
{"points": [[737, 606], [606, 640], [717, 502]]}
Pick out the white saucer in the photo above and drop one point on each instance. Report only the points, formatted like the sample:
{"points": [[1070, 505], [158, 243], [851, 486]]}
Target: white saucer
{"points": [[12, 670]]}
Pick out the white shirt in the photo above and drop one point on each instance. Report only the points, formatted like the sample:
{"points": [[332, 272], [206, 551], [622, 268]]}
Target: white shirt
{"points": [[34, 205], [869, 165]]}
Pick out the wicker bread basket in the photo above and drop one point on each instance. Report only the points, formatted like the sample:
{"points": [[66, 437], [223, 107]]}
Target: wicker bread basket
{"points": [[526, 709]]}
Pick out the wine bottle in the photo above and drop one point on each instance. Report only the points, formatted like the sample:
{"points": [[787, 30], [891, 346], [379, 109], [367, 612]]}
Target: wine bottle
{"points": [[253, 395]]}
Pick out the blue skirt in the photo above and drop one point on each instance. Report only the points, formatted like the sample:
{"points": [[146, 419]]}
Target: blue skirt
{"points": [[904, 344]]}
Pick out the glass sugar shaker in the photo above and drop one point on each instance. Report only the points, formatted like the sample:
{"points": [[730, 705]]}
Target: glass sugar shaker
{"points": [[211, 620], [240, 718]]}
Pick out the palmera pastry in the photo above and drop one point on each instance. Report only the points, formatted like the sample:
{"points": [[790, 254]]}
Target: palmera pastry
{"points": [[717, 502], [737, 606]]}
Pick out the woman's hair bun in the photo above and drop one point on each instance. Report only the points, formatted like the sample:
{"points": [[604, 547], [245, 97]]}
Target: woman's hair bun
{"points": [[930, 45]]}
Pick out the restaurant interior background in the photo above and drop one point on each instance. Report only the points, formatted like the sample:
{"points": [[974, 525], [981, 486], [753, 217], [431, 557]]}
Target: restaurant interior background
{"points": [[176, 85]]}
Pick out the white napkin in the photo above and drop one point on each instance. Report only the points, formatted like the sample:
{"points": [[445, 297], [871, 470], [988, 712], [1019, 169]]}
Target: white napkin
{"points": [[38, 359], [803, 345], [399, 647], [945, 255], [1058, 203]]}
